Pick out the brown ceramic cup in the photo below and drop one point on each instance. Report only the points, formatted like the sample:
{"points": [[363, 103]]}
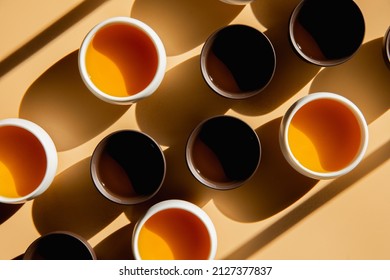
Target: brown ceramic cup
{"points": [[326, 32], [128, 167]]}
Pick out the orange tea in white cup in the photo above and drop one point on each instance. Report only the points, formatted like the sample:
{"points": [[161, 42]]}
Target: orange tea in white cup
{"points": [[323, 135]]}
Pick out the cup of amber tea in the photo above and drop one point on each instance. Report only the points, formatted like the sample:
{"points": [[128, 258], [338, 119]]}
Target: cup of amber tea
{"points": [[174, 230], [28, 160], [326, 32], [122, 60], [323, 135]]}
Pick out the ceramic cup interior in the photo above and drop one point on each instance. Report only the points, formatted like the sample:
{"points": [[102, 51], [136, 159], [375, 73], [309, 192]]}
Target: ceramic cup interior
{"points": [[122, 60], [237, 61], [60, 245], [223, 152], [28, 160], [174, 230], [323, 135], [128, 167], [326, 33]]}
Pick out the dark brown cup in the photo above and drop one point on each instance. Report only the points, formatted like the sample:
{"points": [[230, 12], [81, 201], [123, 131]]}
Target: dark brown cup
{"points": [[386, 47], [326, 32], [128, 167], [237, 61], [60, 245], [223, 152]]}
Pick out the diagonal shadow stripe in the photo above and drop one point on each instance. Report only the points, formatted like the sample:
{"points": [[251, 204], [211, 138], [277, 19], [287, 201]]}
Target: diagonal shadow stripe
{"points": [[319, 199], [49, 34]]}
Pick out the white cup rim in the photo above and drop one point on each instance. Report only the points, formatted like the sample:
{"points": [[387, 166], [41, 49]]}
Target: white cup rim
{"points": [[176, 204], [285, 124], [50, 152], [161, 65]]}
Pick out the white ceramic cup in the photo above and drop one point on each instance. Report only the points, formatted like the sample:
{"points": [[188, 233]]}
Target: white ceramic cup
{"points": [[237, 2], [159, 72], [175, 204], [359, 123], [49, 154]]}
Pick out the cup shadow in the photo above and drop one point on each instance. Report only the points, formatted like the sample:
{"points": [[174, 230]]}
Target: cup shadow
{"points": [[60, 102], [291, 73], [274, 187], [183, 25], [18, 258], [8, 210], [274, 13], [49, 34], [116, 246], [364, 79], [72, 203], [179, 104], [336, 187], [178, 184]]}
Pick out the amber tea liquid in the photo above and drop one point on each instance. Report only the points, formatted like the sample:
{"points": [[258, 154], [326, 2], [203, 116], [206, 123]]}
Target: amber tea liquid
{"points": [[174, 234], [324, 136], [121, 60], [22, 162]]}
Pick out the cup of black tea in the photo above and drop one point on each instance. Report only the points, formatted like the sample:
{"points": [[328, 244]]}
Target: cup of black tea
{"points": [[223, 152], [237, 61], [128, 167], [386, 47], [326, 32], [60, 245]]}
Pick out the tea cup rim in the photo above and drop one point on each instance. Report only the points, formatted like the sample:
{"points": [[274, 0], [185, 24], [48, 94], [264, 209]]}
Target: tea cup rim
{"points": [[210, 183], [161, 57], [226, 94], [285, 124], [386, 47], [182, 205], [50, 152], [318, 62], [116, 198], [30, 249], [237, 2]]}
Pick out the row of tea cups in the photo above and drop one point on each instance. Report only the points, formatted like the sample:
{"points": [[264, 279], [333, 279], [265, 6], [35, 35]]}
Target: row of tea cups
{"points": [[322, 135]]}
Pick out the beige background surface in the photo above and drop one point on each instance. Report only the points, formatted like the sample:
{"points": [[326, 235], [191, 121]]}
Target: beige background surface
{"points": [[279, 214]]}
